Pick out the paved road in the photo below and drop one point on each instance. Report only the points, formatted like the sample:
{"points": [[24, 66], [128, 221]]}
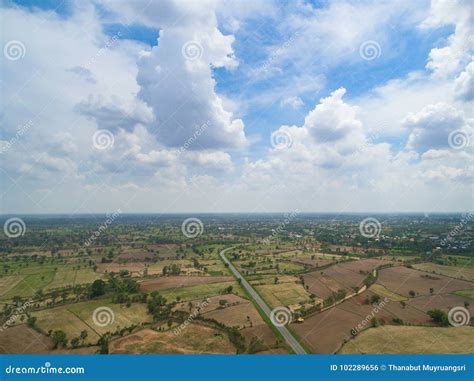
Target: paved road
{"points": [[288, 336]]}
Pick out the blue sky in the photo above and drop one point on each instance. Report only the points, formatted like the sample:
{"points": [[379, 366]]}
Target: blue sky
{"points": [[288, 94]]}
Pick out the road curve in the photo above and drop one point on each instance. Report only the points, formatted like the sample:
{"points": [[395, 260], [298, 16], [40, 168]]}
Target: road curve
{"points": [[287, 335]]}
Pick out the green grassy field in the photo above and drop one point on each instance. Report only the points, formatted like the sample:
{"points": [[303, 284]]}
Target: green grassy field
{"points": [[283, 294], [466, 293], [459, 272], [382, 291]]}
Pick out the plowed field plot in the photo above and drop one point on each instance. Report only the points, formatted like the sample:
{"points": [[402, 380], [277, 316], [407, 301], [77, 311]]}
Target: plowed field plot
{"points": [[21, 339], [402, 280], [167, 282]]}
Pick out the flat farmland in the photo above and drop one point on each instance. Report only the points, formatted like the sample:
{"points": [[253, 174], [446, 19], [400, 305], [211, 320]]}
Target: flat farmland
{"points": [[402, 280], [200, 291], [241, 315], [21, 339], [194, 339], [73, 319], [417, 340], [325, 332], [444, 302], [347, 275], [167, 282], [213, 303], [283, 294], [464, 273]]}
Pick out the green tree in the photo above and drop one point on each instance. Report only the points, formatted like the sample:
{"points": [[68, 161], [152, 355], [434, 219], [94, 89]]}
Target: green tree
{"points": [[97, 288], [59, 338]]}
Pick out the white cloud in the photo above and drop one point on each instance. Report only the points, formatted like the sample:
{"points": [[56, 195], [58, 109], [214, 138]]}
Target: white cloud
{"points": [[431, 126], [294, 102], [447, 60], [464, 84]]}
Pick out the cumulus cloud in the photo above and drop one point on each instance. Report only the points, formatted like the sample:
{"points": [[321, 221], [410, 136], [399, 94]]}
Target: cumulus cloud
{"points": [[464, 84], [431, 126], [176, 78], [446, 61]]}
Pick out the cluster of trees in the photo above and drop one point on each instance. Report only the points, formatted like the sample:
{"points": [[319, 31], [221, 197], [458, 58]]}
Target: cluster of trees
{"points": [[172, 269]]}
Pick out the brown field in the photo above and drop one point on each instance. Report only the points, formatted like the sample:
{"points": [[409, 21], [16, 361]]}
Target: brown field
{"points": [[193, 339], [402, 339], [402, 279], [21, 339], [445, 302], [241, 315], [340, 276], [264, 333], [325, 332], [163, 283], [313, 262], [133, 267], [135, 255], [212, 304]]}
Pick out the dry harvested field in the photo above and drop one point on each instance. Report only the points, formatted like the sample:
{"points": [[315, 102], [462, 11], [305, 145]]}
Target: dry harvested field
{"points": [[345, 275], [74, 318], [445, 302], [213, 302], [21, 339], [402, 280], [402, 339], [264, 333], [134, 267], [167, 282], [325, 332], [194, 338], [241, 315], [313, 262], [466, 273], [135, 255]]}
